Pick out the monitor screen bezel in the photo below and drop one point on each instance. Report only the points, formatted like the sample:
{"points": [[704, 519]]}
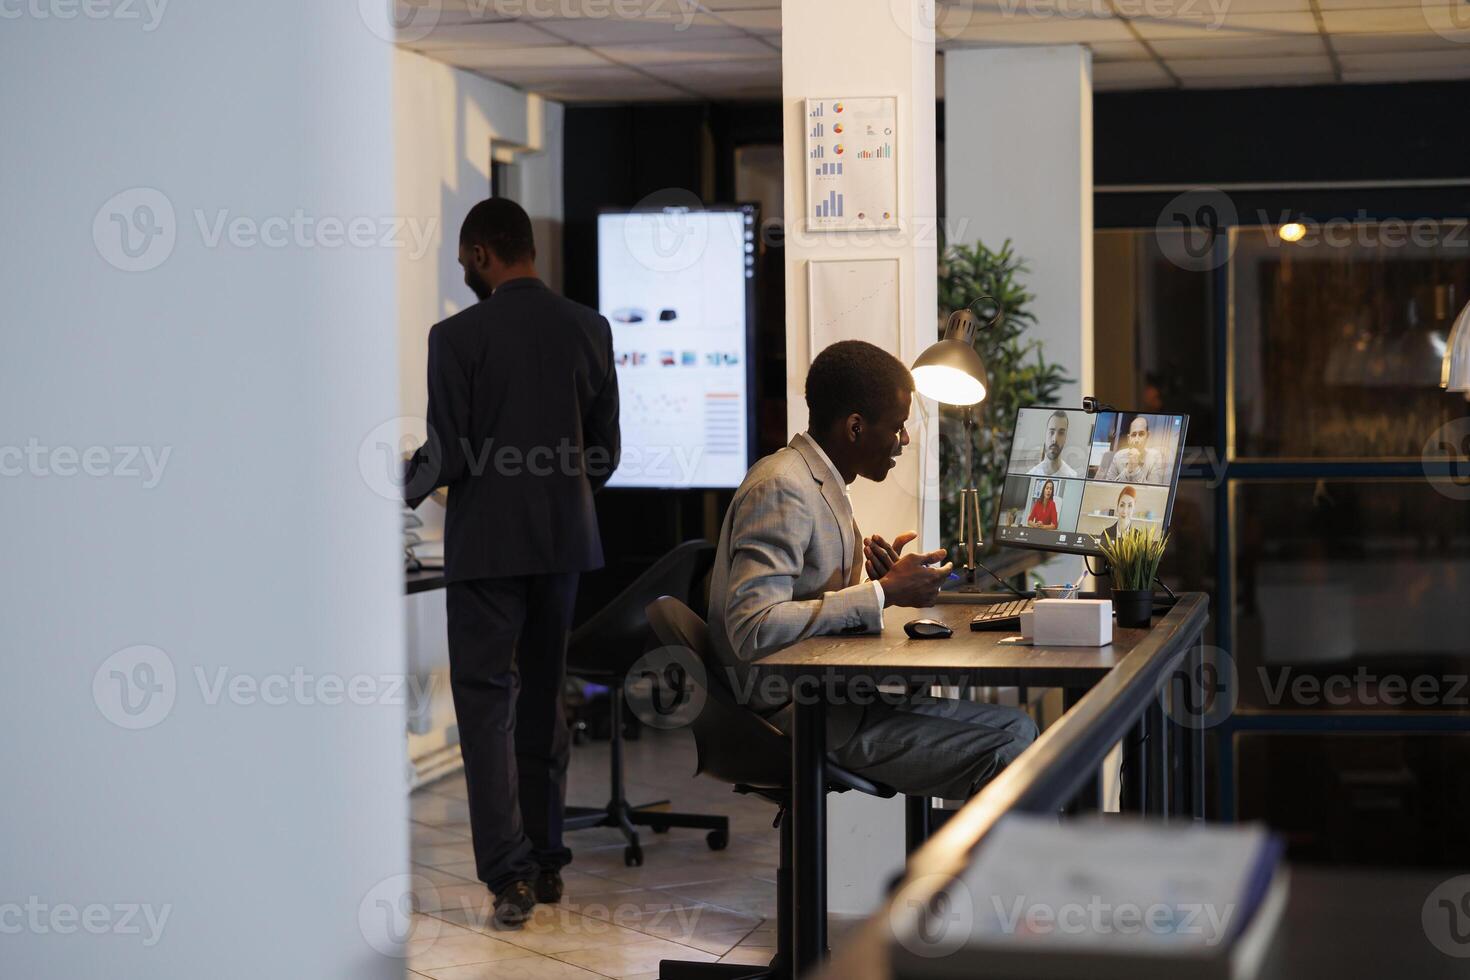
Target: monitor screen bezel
{"points": [[1108, 410], [751, 413]]}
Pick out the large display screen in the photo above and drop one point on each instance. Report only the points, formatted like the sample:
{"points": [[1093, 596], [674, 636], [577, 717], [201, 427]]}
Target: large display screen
{"points": [[1075, 478], [678, 287]]}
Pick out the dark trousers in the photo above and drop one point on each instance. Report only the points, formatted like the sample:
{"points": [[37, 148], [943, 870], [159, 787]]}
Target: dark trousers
{"points": [[507, 665]]}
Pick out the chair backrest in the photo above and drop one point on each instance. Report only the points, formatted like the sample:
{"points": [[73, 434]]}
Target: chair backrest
{"points": [[616, 634], [735, 744]]}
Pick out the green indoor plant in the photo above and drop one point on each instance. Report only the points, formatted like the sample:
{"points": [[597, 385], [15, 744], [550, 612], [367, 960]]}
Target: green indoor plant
{"points": [[1019, 375], [1133, 560]]}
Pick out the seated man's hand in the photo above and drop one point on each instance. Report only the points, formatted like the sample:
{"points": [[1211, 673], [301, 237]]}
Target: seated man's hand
{"points": [[914, 580], [880, 556]]}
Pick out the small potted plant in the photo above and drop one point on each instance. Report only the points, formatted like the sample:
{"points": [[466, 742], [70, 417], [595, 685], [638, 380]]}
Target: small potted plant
{"points": [[1133, 558]]}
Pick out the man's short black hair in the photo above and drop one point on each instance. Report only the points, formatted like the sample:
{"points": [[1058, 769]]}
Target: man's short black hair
{"points": [[853, 376], [502, 226]]}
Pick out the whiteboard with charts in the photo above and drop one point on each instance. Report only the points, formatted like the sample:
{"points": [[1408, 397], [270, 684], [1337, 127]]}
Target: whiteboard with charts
{"points": [[851, 171]]}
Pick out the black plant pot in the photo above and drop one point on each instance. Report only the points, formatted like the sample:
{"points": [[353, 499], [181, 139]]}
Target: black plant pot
{"points": [[1133, 607]]}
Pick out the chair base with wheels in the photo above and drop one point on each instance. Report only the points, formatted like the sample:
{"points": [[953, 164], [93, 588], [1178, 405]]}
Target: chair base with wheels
{"points": [[603, 650], [621, 814]]}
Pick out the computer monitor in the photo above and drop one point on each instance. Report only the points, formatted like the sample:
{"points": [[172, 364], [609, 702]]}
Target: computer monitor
{"points": [[1075, 477], [677, 285]]}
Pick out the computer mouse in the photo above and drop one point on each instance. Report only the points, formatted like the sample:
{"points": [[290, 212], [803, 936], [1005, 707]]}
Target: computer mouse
{"points": [[927, 629]]}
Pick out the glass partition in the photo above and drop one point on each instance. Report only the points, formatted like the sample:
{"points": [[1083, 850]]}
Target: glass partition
{"points": [[1349, 595], [1336, 338]]}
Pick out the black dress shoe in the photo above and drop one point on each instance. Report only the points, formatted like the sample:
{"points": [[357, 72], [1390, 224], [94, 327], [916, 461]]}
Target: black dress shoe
{"points": [[513, 905], [549, 887]]}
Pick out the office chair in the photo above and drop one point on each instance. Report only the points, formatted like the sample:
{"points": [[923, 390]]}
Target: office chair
{"points": [[602, 650], [740, 747]]}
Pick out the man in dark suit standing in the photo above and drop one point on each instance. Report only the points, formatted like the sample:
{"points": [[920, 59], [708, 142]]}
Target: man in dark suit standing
{"points": [[523, 430]]}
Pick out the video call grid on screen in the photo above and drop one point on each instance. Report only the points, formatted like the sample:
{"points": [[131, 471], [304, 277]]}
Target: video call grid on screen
{"points": [[1074, 478]]}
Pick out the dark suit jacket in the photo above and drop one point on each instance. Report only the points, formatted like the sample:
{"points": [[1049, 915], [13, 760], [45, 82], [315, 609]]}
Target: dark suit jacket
{"points": [[522, 429]]}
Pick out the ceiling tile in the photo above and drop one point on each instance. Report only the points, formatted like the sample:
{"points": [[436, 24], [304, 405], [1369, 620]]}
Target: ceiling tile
{"points": [[1056, 30], [1384, 20], [1410, 63], [560, 56], [1233, 24], [1251, 46], [612, 30], [1192, 68], [1367, 43], [1426, 75], [609, 76], [763, 69], [504, 34], [1357, 4], [1209, 8], [644, 90], [755, 21], [1104, 51], [699, 49], [1263, 81], [1114, 75]]}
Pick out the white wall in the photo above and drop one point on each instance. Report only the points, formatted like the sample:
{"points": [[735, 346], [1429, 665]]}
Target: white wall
{"points": [[445, 122], [260, 831], [1018, 165], [836, 48]]}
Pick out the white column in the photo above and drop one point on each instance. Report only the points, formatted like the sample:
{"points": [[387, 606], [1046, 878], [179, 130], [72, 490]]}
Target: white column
{"points": [[199, 334], [1018, 165], [848, 49]]}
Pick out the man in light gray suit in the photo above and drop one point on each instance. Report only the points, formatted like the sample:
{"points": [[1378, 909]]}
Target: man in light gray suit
{"points": [[790, 564]]}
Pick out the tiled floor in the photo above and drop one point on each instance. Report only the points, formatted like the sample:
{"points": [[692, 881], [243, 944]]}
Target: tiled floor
{"points": [[685, 902]]}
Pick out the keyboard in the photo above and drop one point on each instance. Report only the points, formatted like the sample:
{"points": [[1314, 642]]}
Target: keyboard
{"points": [[1002, 616]]}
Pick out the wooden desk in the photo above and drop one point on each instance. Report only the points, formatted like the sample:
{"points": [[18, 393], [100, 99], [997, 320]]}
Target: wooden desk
{"points": [[829, 663], [423, 580]]}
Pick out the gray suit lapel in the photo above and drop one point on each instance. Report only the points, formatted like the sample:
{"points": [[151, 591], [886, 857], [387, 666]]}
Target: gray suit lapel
{"points": [[836, 500]]}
